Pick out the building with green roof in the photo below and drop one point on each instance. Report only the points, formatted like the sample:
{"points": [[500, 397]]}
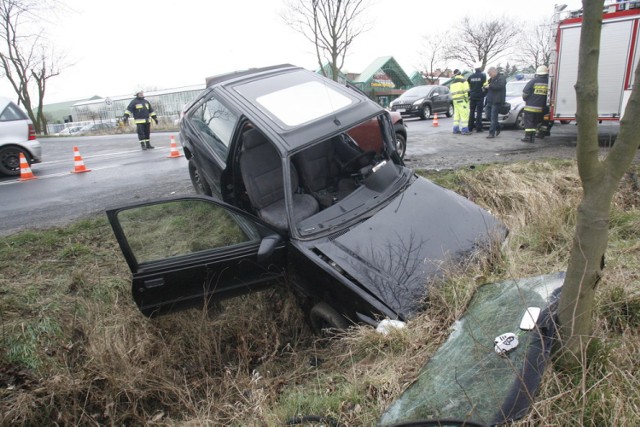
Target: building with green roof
{"points": [[418, 79], [384, 80]]}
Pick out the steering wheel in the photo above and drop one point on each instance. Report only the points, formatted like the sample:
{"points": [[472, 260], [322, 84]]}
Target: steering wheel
{"points": [[369, 155]]}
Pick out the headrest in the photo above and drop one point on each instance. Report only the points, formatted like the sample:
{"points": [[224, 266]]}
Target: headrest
{"points": [[252, 138]]}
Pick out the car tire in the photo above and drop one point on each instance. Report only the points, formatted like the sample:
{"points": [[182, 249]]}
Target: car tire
{"points": [[450, 111], [520, 120], [10, 160], [199, 183], [401, 144], [425, 112], [325, 321]]}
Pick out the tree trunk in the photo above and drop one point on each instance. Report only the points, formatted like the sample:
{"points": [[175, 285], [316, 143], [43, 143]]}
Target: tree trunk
{"points": [[600, 180]]}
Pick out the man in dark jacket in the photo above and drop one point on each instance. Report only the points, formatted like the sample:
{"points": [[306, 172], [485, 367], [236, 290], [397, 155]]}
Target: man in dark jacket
{"points": [[535, 97], [496, 93], [142, 113], [476, 98]]}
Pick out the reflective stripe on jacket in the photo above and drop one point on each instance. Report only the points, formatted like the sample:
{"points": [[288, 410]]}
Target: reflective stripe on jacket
{"points": [[535, 94], [140, 109], [459, 89]]}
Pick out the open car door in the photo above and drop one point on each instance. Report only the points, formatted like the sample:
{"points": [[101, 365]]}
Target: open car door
{"points": [[189, 251]]}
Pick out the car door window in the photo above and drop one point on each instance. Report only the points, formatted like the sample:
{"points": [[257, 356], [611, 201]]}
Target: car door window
{"points": [[215, 123], [182, 227]]}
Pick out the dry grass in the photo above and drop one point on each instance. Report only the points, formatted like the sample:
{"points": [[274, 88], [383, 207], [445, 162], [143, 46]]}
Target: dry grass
{"points": [[75, 351]]}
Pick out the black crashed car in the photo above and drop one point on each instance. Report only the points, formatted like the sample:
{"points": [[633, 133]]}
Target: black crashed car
{"points": [[287, 194], [423, 101]]}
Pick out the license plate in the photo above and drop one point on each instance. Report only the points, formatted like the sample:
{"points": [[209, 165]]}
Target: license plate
{"points": [[401, 110]]}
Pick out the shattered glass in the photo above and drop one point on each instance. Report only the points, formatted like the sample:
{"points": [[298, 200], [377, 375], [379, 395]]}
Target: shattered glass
{"points": [[467, 379]]}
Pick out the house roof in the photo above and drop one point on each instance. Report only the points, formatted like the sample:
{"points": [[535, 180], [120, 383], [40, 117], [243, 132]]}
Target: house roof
{"points": [[391, 68], [417, 78]]}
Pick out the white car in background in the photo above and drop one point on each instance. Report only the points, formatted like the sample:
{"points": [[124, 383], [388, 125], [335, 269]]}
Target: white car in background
{"points": [[69, 131], [515, 117], [17, 135]]}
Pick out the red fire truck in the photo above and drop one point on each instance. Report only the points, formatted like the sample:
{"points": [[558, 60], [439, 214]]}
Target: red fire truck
{"points": [[619, 55]]}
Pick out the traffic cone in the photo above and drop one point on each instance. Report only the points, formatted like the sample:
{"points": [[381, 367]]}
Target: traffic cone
{"points": [[78, 163], [174, 148], [25, 170], [435, 120]]}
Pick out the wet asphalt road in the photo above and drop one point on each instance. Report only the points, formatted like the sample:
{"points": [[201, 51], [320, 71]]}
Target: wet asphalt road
{"points": [[431, 147], [121, 173]]}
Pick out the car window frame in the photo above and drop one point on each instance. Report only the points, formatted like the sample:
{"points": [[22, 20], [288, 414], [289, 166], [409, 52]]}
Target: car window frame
{"points": [[174, 283], [222, 150], [16, 110]]}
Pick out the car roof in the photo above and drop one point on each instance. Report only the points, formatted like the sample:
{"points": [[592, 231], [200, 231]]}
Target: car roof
{"points": [[297, 106], [214, 80]]}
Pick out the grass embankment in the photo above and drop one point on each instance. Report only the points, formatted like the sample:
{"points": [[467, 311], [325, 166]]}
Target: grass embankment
{"points": [[74, 349]]}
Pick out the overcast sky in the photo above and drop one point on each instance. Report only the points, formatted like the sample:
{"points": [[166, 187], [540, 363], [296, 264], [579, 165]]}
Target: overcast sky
{"points": [[117, 46]]}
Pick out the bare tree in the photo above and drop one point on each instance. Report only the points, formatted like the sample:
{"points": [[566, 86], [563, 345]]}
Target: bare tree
{"points": [[600, 180], [25, 58], [482, 41], [331, 25], [535, 45], [433, 56]]}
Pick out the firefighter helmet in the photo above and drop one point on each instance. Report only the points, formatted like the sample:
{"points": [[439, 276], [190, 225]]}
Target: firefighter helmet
{"points": [[542, 70], [456, 72], [138, 92], [477, 65]]}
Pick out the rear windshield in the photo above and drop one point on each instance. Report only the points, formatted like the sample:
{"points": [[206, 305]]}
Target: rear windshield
{"points": [[12, 112]]}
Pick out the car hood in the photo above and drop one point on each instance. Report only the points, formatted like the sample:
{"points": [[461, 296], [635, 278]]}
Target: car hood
{"points": [[514, 99], [395, 253]]}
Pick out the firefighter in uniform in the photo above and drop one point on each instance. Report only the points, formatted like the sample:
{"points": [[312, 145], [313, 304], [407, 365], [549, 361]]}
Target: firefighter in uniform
{"points": [[476, 96], [460, 95], [535, 97], [142, 113]]}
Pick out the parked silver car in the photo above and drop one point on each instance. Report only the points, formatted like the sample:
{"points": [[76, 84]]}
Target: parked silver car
{"points": [[17, 135], [515, 117]]}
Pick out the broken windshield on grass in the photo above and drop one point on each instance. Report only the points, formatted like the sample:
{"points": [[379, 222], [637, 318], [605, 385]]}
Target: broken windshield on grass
{"points": [[466, 379]]}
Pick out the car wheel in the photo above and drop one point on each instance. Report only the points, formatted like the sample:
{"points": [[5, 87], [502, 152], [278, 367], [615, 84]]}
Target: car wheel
{"points": [[450, 111], [401, 144], [10, 160], [425, 113], [198, 181], [520, 120], [325, 321]]}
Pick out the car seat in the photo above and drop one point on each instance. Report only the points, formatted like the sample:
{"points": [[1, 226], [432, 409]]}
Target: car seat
{"points": [[319, 166], [261, 170]]}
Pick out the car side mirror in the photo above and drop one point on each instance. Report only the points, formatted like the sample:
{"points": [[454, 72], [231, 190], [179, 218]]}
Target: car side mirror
{"points": [[267, 246]]}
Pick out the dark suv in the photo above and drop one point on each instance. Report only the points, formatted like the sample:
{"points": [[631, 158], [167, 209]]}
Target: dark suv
{"points": [[423, 101]]}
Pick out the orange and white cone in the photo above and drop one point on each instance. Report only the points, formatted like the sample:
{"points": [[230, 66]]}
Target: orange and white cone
{"points": [[25, 170], [435, 120], [174, 148], [78, 164]]}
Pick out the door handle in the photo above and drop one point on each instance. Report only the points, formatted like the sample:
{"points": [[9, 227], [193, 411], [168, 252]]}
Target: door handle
{"points": [[154, 283]]}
